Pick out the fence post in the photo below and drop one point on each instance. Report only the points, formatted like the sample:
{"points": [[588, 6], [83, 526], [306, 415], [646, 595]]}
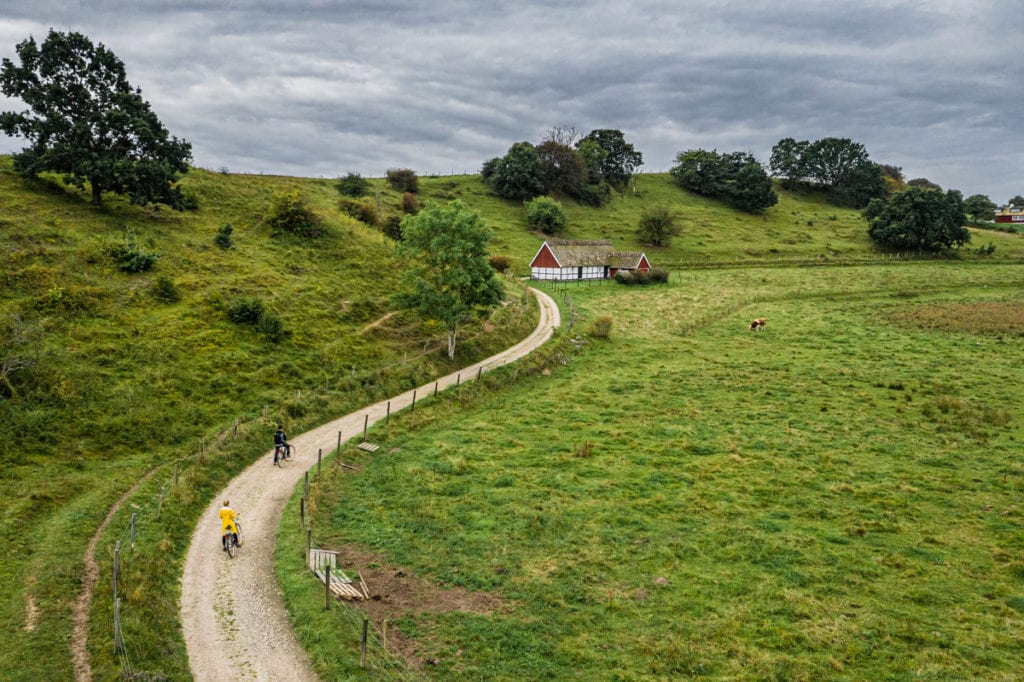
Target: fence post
{"points": [[362, 653], [309, 543], [305, 491], [319, 457], [339, 443], [132, 535], [302, 511], [117, 565], [387, 417], [457, 378], [413, 408], [327, 587], [435, 389], [366, 424], [175, 474]]}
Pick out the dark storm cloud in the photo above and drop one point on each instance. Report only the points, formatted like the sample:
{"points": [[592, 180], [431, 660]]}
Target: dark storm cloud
{"points": [[321, 88]]}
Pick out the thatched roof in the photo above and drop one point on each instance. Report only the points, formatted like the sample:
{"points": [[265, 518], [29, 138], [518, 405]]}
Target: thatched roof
{"points": [[574, 252], [624, 260]]}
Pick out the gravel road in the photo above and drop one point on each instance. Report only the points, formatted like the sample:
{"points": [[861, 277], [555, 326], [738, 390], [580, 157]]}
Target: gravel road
{"points": [[234, 620]]}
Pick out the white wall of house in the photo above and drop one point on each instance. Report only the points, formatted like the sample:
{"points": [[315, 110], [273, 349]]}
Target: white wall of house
{"points": [[585, 272]]}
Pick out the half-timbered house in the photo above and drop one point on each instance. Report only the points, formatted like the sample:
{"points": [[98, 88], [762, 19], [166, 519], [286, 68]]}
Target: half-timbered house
{"points": [[578, 259]]}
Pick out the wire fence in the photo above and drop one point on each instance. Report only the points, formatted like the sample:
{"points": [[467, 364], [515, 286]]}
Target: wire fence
{"points": [[143, 524]]}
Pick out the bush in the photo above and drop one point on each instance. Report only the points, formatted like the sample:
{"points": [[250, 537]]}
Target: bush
{"points": [[363, 210], [288, 213], [601, 328], [657, 227], [410, 203], [654, 276], [246, 311], [353, 185], [403, 180], [545, 214], [594, 195], [189, 200], [129, 257], [393, 227], [165, 290], [500, 263], [270, 327], [223, 237]]}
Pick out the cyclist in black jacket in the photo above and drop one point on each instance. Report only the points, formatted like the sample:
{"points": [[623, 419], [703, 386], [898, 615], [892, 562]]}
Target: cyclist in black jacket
{"points": [[281, 444]]}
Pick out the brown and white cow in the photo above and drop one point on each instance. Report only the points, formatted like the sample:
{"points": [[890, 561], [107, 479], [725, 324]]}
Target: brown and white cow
{"points": [[758, 325]]}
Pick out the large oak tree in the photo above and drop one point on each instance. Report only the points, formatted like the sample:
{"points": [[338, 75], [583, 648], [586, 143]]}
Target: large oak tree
{"points": [[86, 121]]}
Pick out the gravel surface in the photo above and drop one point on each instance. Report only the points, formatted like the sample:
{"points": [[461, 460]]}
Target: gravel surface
{"points": [[234, 620]]}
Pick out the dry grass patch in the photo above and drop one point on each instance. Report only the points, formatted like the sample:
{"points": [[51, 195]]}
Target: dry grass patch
{"points": [[979, 317]]}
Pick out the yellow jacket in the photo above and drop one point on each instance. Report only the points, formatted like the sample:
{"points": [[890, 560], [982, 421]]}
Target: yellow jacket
{"points": [[227, 520]]}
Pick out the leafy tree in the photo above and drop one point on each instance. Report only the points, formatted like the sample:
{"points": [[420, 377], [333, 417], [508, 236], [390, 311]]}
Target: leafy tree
{"points": [[924, 183], [448, 276], [657, 227], [788, 161], [86, 121], [517, 175], [289, 213], [736, 177], [699, 171], [403, 180], [836, 164], [1016, 201], [545, 214], [593, 155], [919, 219], [562, 168], [620, 160], [979, 207], [353, 185]]}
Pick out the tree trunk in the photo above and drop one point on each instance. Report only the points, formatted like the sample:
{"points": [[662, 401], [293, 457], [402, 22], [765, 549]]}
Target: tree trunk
{"points": [[451, 343], [97, 193]]}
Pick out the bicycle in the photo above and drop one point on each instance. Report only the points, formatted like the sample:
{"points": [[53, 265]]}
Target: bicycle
{"points": [[229, 542], [282, 451]]}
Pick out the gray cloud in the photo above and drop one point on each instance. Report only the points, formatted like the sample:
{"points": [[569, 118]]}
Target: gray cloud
{"points": [[322, 88]]}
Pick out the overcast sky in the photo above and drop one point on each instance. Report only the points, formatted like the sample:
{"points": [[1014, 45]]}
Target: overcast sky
{"points": [[322, 88]]}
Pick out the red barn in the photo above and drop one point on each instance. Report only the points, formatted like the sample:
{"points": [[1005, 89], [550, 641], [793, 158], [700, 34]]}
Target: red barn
{"points": [[568, 259], [1010, 214]]}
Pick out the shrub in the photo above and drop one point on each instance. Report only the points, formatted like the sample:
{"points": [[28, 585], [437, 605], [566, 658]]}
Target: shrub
{"points": [[246, 311], [601, 328], [189, 200], [594, 195], [223, 237], [363, 210], [657, 227], [410, 203], [654, 276], [500, 263], [130, 257], [403, 180], [353, 185], [545, 214], [270, 327], [165, 290], [393, 227], [288, 213]]}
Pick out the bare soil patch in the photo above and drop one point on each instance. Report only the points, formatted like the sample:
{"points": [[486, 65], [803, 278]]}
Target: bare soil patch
{"points": [[396, 592]]}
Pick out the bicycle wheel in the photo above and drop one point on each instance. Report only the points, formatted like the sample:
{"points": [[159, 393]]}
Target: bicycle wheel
{"points": [[229, 544]]}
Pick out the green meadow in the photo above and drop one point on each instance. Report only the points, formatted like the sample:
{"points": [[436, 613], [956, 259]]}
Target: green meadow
{"points": [[682, 496], [837, 497]]}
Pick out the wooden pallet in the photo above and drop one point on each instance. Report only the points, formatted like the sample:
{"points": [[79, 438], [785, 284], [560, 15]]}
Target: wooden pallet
{"points": [[369, 447], [343, 587]]}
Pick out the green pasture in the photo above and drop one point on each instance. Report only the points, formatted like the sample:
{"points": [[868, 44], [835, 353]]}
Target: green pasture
{"points": [[838, 497]]}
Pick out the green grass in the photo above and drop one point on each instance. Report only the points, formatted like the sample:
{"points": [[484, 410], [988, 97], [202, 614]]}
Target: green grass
{"points": [[127, 382], [835, 498]]}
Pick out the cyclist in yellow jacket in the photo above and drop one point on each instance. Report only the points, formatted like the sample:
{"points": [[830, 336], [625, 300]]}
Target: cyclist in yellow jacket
{"points": [[227, 525]]}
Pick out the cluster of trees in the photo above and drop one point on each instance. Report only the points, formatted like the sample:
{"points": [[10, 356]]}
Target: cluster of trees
{"points": [[583, 168], [838, 165], [918, 219], [737, 178], [86, 121]]}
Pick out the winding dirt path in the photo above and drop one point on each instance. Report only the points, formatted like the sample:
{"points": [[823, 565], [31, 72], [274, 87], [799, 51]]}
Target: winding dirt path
{"points": [[234, 620]]}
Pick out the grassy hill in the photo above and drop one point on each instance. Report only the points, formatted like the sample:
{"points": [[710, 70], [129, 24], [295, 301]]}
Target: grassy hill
{"points": [[138, 373]]}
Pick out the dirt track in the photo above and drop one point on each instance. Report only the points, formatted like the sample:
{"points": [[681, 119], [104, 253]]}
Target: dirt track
{"points": [[234, 620]]}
